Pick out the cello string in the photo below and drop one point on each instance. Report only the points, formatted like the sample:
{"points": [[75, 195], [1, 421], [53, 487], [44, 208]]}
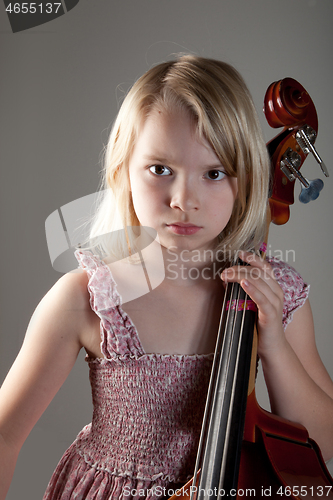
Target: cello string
{"points": [[240, 306], [215, 441], [234, 309], [206, 428], [232, 383]]}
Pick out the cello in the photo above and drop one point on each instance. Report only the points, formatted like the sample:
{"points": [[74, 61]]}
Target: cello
{"points": [[245, 450]]}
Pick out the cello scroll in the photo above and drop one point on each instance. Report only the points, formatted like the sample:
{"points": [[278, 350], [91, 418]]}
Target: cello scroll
{"points": [[287, 104]]}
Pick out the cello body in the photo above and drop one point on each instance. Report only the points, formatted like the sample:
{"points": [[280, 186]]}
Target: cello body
{"points": [[290, 463], [278, 460]]}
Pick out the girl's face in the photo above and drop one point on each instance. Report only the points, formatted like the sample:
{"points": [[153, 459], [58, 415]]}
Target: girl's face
{"points": [[179, 187]]}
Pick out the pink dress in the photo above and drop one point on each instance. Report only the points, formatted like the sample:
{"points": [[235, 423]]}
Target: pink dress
{"points": [[147, 407]]}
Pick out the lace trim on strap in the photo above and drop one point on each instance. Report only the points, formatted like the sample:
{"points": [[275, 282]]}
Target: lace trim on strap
{"points": [[119, 337], [295, 290]]}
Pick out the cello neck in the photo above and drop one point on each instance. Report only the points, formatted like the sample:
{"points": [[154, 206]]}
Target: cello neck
{"points": [[223, 426]]}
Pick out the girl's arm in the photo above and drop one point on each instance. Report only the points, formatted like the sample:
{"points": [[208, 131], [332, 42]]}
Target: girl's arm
{"points": [[48, 353], [298, 384], [300, 389]]}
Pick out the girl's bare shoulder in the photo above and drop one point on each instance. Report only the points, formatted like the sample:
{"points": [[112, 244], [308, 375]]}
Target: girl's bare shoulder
{"points": [[71, 290], [66, 306]]}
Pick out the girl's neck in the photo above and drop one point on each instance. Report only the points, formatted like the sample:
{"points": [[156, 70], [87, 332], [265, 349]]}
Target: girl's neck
{"points": [[190, 268], [180, 267]]}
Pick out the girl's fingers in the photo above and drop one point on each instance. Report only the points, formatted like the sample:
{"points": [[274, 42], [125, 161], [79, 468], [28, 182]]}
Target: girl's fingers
{"points": [[259, 282], [258, 269], [254, 275], [256, 261], [269, 303]]}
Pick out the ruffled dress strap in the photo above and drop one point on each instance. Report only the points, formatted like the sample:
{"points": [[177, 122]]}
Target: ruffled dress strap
{"points": [[295, 290], [119, 337]]}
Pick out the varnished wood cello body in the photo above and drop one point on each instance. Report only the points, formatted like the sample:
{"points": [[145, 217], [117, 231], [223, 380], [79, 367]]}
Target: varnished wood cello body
{"points": [[244, 450]]}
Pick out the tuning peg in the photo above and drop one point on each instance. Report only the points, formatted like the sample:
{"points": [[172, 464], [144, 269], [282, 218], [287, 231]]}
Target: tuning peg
{"points": [[289, 165], [312, 191], [306, 137]]}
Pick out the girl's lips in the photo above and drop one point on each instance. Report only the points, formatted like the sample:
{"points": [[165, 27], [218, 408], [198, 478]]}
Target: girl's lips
{"points": [[184, 229]]}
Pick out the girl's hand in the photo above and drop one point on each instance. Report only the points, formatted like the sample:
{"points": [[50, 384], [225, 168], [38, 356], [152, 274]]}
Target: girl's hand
{"points": [[299, 387], [259, 283]]}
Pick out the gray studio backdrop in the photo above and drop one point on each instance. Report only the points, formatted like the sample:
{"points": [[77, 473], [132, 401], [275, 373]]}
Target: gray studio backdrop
{"points": [[61, 86]]}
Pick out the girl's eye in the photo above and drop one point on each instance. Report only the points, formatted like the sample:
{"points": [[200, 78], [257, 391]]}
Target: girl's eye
{"points": [[215, 175], [159, 170]]}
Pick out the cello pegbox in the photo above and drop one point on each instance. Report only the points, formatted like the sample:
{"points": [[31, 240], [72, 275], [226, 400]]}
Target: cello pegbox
{"points": [[306, 137]]}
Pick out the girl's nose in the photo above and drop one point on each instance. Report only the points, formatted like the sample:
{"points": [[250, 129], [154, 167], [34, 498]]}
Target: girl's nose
{"points": [[185, 196]]}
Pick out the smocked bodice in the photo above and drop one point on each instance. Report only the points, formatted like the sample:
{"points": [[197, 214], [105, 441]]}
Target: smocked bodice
{"points": [[148, 408], [147, 415]]}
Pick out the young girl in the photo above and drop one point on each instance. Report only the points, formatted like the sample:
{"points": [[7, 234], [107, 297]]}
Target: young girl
{"points": [[185, 158]]}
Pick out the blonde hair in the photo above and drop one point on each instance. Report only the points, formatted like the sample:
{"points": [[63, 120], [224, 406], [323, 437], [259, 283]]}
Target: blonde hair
{"points": [[217, 98]]}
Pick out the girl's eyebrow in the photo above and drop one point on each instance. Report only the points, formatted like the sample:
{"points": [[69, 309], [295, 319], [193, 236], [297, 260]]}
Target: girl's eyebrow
{"points": [[169, 161], [157, 158]]}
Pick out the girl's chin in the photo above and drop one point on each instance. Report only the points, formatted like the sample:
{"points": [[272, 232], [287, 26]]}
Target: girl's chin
{"points": [[184, 244]]}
